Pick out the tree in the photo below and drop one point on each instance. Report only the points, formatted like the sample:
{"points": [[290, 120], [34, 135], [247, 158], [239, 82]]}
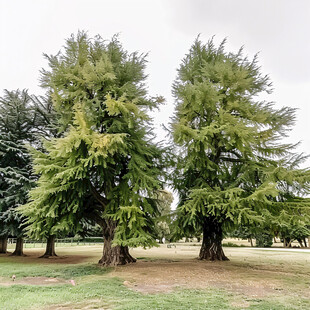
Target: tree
{"points": [[232, 168], [22, 121], [163, 221], [105, 168]]}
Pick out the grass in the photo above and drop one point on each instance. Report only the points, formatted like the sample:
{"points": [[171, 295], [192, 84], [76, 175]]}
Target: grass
{"points": [[9, 267], [112, 293], [99, 288], [108, 293]]}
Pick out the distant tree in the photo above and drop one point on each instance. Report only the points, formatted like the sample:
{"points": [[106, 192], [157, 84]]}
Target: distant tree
{"points": [[264, 239], [291, 228], [231, 164], [243, 232], [24, 119], [105, 168], [163, 221]]}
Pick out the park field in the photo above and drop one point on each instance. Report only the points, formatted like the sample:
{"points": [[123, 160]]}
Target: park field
{"points": [[162, 278]]}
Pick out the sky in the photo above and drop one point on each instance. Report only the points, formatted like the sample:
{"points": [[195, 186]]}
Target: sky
{"points": [[165, 29]]}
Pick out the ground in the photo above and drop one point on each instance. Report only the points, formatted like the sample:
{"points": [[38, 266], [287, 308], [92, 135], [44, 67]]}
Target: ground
{"points": [[162, 278]]}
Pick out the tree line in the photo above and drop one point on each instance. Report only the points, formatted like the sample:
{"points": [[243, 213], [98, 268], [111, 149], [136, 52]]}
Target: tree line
{"points": [[83, 157]]}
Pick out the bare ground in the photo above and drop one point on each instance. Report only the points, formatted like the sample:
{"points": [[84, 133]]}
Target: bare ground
{"points": [[33, 281], [165, 276], [89, 305], [249, 272]]}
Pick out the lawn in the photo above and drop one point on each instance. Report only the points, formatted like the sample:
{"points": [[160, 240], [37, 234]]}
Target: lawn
{"points": [[162, 278]]}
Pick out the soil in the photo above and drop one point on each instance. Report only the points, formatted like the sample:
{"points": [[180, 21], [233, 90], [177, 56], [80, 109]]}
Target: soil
{"points": [[89, 305], [249, 273], [33, 281], [166, 276]]}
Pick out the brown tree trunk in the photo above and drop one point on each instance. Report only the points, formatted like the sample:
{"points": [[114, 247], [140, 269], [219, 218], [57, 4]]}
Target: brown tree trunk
{"points": [[50, 247], [3, 244], [211, 248], [113, 255], [287, 242], [19, 247], [251, 241], [300, 242]]}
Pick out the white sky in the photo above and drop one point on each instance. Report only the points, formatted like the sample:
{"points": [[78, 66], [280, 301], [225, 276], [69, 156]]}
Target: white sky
{"points": [[278, 29]]}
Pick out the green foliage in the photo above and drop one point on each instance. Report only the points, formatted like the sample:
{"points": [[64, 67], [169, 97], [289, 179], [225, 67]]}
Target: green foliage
{"points": [[163, 222], [263, 240], [232, 245], [232, 166], [242, 232], [23, 120], [105, 168]]}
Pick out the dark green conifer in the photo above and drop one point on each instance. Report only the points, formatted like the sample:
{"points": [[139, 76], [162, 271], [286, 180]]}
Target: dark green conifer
{"points": [[23, 121], [232, 167]]}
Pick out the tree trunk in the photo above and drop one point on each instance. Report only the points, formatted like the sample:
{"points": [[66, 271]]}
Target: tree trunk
{"points": [[251, 241], [300, 242], [3, 244], [113, 255], [211, 248], [50, 247], [19, 247], [305, 242], [287, 242]]}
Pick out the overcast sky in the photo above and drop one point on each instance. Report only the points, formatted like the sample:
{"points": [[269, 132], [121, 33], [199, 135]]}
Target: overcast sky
{"points": [[278, 29]]}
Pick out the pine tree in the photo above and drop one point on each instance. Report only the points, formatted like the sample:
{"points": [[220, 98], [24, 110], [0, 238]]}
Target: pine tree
{"points": [[22, 121], [163, 222], [232, 166], [105, 168]]}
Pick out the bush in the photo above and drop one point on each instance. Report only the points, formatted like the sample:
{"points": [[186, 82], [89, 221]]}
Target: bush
{"points": [[264, 240], [231, 244]]}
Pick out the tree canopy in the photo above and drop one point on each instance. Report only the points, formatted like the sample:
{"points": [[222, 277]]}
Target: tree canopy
{"points": [[105, 168], [232, 167], [24, 119]]}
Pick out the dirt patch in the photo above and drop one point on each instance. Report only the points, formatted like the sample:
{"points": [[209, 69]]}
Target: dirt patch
{"points": [[240, 304], [95, 304], [33, 257], [33, 281], [250, 273], [164, 277]]}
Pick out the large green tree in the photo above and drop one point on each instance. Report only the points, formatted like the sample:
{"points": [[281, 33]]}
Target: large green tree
{"points": [[24, 119], [105, 168], [232, 168]]}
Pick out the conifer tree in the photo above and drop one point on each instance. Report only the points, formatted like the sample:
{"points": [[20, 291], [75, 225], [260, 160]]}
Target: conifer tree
{"points": [[105, 168], [163, 222], [232, 168], [23, 120]]}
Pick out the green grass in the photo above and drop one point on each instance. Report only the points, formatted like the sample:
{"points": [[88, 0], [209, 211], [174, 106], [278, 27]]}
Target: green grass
{"points": [[8, 267], [108, 292], [111, 292], [98, 289]]}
